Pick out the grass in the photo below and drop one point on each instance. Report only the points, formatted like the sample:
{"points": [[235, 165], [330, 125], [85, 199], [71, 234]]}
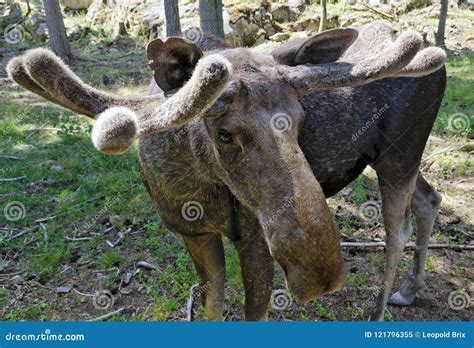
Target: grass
{"points": [[88, 193], [457, 113]]}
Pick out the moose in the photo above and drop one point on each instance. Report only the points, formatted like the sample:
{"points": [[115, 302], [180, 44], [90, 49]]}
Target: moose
{"points": [[248, 146]]}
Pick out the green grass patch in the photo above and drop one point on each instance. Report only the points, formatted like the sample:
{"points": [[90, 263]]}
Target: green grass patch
{"points": [[456, 116]]}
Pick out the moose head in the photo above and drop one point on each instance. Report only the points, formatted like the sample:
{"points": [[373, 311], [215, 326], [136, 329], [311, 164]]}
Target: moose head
{"points": [[246, 115]]}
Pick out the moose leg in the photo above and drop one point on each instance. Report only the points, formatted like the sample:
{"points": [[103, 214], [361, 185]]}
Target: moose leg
{"points": [[396, 215], [256, 264], [207, 253], [424, 205]]}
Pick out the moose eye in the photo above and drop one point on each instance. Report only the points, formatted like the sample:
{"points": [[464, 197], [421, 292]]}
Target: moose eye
{"points": [[224, 137]]}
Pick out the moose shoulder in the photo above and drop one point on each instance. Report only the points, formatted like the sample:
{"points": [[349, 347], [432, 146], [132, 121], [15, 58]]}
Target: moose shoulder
{"points": [[273, 135]]}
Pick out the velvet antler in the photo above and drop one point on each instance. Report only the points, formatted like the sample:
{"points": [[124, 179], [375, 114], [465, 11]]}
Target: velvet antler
{"points": [[375, 54], [120, 119]]}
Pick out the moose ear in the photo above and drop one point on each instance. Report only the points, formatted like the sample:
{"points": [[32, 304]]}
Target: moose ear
{"points": [[172, 61], [322, 48]]}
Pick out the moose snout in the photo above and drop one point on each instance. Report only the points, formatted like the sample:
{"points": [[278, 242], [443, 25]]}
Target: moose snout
{"points": [[306, 287], [311, 270], [300, 231]]}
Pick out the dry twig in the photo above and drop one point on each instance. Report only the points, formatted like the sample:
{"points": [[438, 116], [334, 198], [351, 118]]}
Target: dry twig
{"points": [[108, 315], [13, 179], [383, 14], [77, 239], [21, 234], [190, 303], [408, 246], [45, 219], [12, 157]]}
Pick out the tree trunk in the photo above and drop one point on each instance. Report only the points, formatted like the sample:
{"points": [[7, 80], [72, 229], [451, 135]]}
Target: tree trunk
{"points": [[324, 15], [57, 31], [210, 13], [173, 27], [442, 23], [121, 29]]}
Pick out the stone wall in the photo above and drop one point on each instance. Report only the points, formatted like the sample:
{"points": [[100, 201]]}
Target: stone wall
{"points": [[245, 24]]}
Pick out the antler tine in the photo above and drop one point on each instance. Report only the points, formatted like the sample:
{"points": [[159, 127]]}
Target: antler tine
{"points": [[425, 62], [116, 128], [310, 78], [120, 119], [49, 73], [376, 54], [17, 72]]}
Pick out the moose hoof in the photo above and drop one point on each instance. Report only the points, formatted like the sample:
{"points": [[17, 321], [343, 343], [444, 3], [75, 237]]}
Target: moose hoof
{"points": [[115, 130], [398, 300]]}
